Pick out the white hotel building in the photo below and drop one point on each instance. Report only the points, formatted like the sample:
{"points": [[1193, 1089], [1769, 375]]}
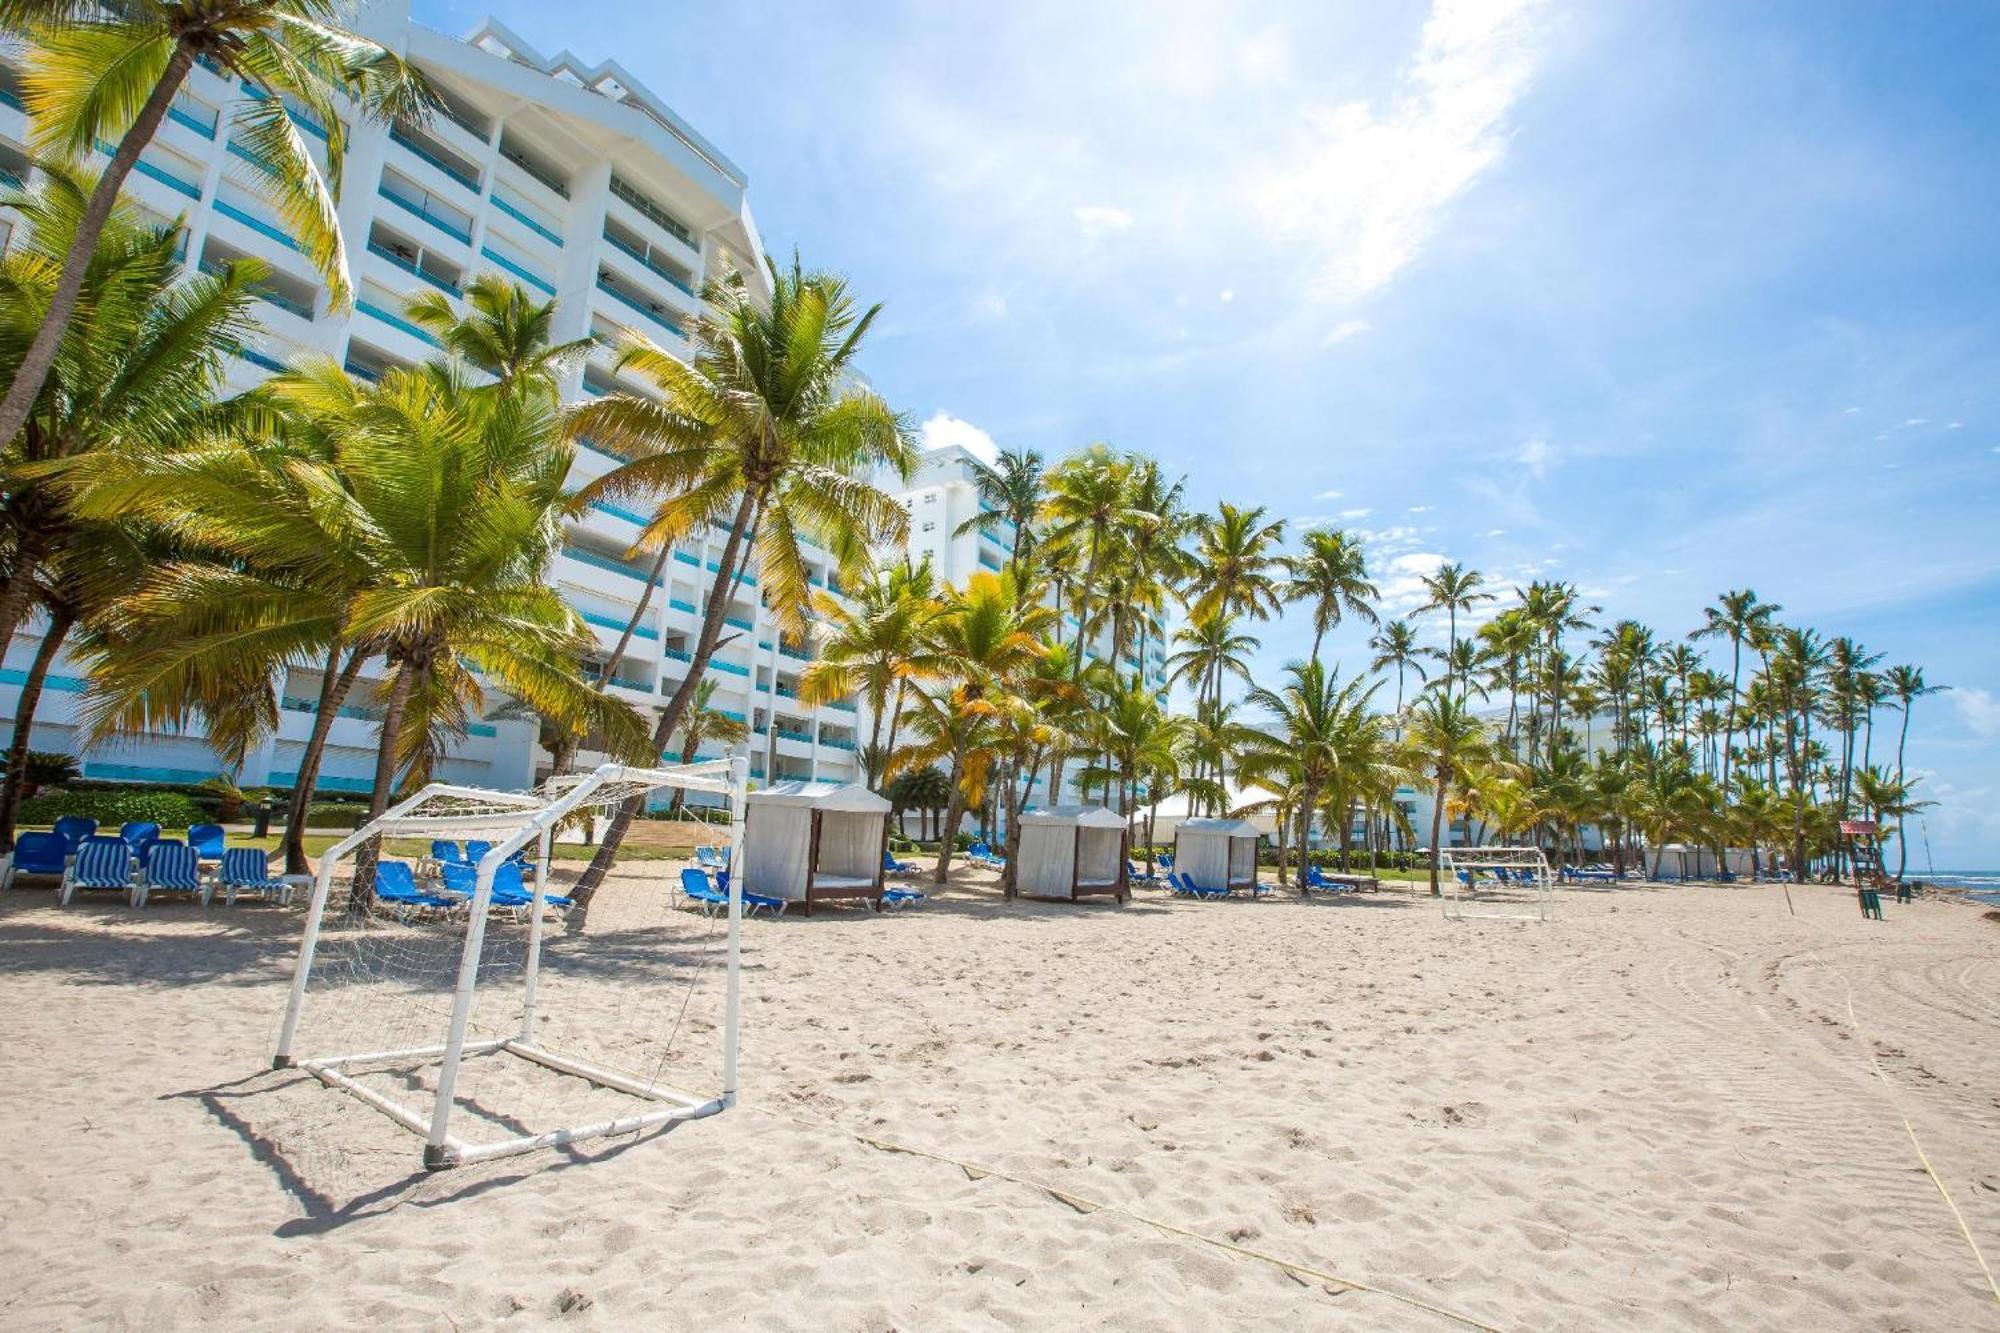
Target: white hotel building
{"points": [[580, 184]]}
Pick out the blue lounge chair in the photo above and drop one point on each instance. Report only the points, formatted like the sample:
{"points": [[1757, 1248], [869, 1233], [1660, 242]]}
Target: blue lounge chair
{"points": [[711, 858], [248, 870], [751, 901], [37, 854], [447, 853], [137, 834], [510, 892], [73, 829], [1138, 876], [207, 841], [171, 867], [904, 898], [697, 888], [101, 863], [396, 886], [891, 866], [1185, 885]]}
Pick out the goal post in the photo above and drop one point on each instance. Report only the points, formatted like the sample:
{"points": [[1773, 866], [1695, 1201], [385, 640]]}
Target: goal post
{"points": [[1519, 886], [514, 821]]}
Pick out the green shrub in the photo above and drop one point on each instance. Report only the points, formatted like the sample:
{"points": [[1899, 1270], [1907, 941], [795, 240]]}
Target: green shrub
{"points": [[170, 810], [336, 814]]}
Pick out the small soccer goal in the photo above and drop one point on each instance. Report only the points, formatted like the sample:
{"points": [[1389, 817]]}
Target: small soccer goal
{"points": [[441, 1004], [1497, 884]]}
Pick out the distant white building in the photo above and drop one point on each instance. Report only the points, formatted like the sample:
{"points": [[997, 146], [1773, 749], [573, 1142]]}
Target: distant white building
{"points": [[577, 182]]}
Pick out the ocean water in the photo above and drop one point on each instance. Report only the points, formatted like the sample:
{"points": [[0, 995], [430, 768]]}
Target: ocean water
{"points": [[1983, 884]]}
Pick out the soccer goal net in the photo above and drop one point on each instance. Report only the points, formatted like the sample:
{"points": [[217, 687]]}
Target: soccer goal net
{"points": [[1497, 884], [457, 1001]]}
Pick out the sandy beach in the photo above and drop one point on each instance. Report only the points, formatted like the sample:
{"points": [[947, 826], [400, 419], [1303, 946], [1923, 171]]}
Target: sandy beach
{"points": [[1658, 1112]]}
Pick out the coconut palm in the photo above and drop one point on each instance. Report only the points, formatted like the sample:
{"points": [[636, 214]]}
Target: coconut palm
{"points": [[765, 432], [137, 372], [1011, 492], [1309, 718], [1448, 744], [1907, 684], [504, 330], [1452, 588], [985, 637], [704, 722], [1889, 798], [875, 645], [1089, 504], [1737, 617], [1238, 566], [1331, 574], [98, 72], [1397, 646]]}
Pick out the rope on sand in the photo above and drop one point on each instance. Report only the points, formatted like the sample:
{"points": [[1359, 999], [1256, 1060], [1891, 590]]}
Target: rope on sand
{"points": [[1086, 1206], [1895, 1104]]}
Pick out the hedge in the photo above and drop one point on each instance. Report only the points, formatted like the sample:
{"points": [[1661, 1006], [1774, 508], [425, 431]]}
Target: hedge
{"points": [[168, 809]]}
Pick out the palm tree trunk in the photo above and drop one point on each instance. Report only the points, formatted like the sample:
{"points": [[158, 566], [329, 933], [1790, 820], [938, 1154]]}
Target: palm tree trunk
{"points": [[704, 648], [1437, 831], [1903, 739], [32, 543], [1307, 800], [632, 625], [954, 813], [362, 896], [24, 724], [333, 688], [41, 353]]}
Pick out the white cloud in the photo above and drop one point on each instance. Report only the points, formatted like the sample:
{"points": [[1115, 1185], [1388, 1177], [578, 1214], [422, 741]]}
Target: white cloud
{"points": [[1341, 332], [1352, 514], [1422, 509], [1401, 580], [1956, 425], [1978, 711], [1365, 184], [1850, 411], [1916, 421], [1328, 495], [1496, 532], [1101, 219], [1536, 454], [943, 430], [1226, 295]]}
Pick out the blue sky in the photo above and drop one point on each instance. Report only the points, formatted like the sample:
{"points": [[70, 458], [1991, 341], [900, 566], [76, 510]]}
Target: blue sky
{"points": [[1659, 299]]}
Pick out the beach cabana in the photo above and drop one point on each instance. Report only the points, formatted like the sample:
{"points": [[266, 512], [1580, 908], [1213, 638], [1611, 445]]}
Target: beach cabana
{"points": [[1217, 853], [808, 842], [1072, 851]]}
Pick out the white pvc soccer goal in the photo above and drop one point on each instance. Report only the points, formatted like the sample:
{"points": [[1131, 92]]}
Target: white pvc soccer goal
{"points": [[449, 1015], [1499, 884]]}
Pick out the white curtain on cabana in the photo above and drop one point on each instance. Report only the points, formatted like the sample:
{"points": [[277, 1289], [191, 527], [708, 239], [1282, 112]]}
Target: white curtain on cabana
{"points": [[1100, 855], [1216, 853], [779, 837], [1069, 849]]}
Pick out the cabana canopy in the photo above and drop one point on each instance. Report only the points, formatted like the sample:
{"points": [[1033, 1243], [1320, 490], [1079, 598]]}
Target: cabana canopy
{"points": [[1217, 853], [807, 842], [1072, 851]]}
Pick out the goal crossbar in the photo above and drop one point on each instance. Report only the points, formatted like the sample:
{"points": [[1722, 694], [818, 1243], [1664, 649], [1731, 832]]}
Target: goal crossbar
{"points": [[518, 818], [1515, 861]]}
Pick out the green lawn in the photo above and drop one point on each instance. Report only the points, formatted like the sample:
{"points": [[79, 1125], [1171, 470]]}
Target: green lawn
{"points": [[407, 848]]}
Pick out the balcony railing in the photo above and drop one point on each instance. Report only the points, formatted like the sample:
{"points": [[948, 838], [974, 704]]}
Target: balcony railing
{"points": [[736, 622], [423, 208], [604, 562], [842, 705], [652, 265], [168, 179], [613, 622], [409, 266], [616, 511], [679, 605], [679, 655], [258, 359], [633, 301], [398, 135], [837, 744], [652, 212], [729, 667], [255, 223], [532, 279], [194, 120], [520, 214], [395, 322], [793, 734]]}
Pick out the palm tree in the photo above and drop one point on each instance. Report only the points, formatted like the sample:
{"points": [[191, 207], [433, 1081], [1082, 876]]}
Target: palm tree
{"points": [[1907, 684], [1309, 718], [1451, 589], [1332, 574], [1089, 503], [139, 372], [98, 72], [704, 722], [765, 431], [1738, 617], [985, 638], [1237, 565], [1883, 797], [1011, 492], [1397, 646], [1449, 744], [503, 330], [875, 645]]}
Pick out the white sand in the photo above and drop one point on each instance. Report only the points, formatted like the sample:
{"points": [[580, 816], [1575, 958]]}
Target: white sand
{"points": [[1652, 1114]]}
